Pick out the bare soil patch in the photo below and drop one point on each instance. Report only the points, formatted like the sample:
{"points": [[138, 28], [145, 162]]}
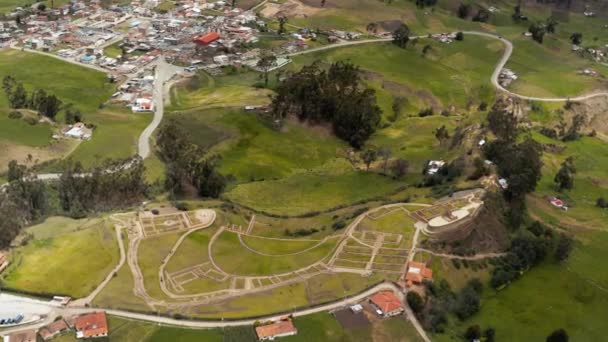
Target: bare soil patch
{"points": [[21, 153], [291, 9], [350, 320]]}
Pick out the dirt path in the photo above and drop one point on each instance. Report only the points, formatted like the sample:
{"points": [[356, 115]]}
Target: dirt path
{"points": [[454, 256], [165, 262], [494, 77], [123, 257], [279, 255]]}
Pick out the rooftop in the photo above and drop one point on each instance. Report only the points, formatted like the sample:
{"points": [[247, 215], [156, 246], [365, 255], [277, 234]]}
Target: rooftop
{"points": [[93, 324], [276, 329], [387, 301]]}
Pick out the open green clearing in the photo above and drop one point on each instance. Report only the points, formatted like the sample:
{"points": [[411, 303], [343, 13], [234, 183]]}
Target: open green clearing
{"points": [[556, 78], [396, 222], [245, 262], [449, 75], [310, 192], [546, 298], [277, 247], [319, 289], [118, 293], [150, 255], [192, 251], [544, 78], [251, 150], [591, 159], [58, 225], [40, 266], [113, 124]]}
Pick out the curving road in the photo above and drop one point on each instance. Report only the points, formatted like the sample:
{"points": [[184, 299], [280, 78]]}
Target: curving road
{"points": [[164, 72], [494, 78]]}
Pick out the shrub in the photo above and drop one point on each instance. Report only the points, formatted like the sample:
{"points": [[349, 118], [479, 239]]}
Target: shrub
{"points": [[155, 211], [15, 115], [415, 302], [31, 120], [338, 225], [426, 112]]}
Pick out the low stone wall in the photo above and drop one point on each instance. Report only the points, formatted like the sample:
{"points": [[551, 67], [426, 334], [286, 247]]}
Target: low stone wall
{"points": [[456, 230]]}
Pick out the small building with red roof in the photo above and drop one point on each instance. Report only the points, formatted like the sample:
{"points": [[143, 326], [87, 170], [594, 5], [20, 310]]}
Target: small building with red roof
{"points": [[207, 38], [91, 325], [278, 329], [417, 272], [387, 304]]}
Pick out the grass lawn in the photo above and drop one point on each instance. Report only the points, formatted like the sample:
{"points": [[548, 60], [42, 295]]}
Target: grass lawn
{"points": [[323, 189], [556, 76], [246, 262], [73, 263], [546, 298], [277, 248], [58, 225], [19, 131], [151, 253], [192, 251], [115, 137], [251, 150], [396, 222], [113, 124], [453, 74], [590, 159], [37, 71], [457, 277], [319, 289], [118, 293]]}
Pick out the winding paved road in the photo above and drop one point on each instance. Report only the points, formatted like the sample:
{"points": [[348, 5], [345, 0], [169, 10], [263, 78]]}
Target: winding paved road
{"points": [[494, 78], [164, 72]]}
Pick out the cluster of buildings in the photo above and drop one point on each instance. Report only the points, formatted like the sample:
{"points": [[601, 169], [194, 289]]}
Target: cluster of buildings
{"points": [[91, 325]]}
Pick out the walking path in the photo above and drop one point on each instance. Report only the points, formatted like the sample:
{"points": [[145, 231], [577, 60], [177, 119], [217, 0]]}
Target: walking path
{"points": [[123, 258], [455, 256]]}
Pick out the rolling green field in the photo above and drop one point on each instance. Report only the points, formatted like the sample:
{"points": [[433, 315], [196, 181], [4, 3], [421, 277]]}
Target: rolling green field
{"points": [[40, 266], [449, 75], [118, 293], [310, 192], [266, 246], [113, 124], [319, 289], [556, 78], [246, 262], [396, 222]]}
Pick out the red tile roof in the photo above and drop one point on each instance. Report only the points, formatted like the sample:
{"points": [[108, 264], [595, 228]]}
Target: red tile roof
{"points": [[386, 301], [275, 329], [417, 272], [207, 38], [93, 324]]}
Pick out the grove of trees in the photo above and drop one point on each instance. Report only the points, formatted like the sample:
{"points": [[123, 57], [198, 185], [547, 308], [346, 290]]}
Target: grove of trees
{"points": [[188, 171], [336, 95], [18, 98]]}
